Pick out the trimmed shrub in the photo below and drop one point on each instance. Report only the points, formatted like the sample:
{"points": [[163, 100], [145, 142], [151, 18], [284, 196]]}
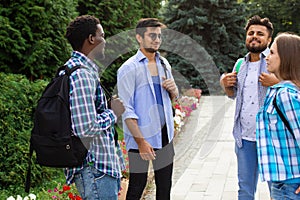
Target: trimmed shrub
{"points": [[18, 98]]}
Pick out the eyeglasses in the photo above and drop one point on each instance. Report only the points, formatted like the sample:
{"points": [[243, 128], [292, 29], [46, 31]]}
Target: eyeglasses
{"points": [[153, 36]]}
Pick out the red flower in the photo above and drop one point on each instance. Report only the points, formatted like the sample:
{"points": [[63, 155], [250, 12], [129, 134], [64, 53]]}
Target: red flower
{"points": [[177, 106], [70, 195], [66, 188], [78, 198]]}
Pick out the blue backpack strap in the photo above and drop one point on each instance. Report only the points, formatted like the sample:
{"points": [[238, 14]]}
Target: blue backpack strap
{"points": [[239, 63]]}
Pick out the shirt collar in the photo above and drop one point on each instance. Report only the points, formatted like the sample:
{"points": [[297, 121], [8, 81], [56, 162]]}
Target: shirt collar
{"points": [[140, 56], [263, 54], [285, 83], [84, 60]]}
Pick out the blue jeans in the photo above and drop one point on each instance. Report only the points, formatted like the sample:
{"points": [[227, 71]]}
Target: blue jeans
{"points": [[247, 170], [284, 191], [95, 185]]}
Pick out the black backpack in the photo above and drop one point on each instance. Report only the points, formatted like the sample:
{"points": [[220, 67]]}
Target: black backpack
{"points": [[52, 136]]}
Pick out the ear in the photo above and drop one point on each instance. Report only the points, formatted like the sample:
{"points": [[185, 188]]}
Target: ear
{"points": [[91, 39], [138, 38]]}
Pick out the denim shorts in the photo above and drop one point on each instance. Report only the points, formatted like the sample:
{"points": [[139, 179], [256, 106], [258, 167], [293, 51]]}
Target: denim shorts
{"points": [[95, 185], [284, 191]]}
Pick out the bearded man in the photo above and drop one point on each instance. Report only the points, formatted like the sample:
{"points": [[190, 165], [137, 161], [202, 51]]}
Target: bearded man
{"points": [[248, 85]]}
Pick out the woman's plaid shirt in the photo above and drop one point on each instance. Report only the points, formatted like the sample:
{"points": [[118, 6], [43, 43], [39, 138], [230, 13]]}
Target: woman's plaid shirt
{"points": [[278, 152]]}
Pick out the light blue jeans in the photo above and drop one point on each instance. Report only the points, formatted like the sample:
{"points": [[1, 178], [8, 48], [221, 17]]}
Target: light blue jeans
{"points": [[247, 170], [284, 191], [95, 185]]}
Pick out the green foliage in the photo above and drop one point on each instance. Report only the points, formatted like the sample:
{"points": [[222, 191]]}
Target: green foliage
{"points": [[118, 19], [284, 14], [32, 36], [115, 16], [215, 25], [18, 98]]}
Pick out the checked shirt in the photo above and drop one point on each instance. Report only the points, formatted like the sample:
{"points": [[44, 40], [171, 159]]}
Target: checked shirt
{"points": [[92, 118], [278, 152]]}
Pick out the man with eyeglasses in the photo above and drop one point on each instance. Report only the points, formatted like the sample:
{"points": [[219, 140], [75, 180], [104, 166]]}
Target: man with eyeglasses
{"points": [[147, 88]]}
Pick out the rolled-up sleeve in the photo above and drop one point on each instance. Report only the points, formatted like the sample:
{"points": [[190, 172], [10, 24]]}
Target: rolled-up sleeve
{"points": [[126, 91]]}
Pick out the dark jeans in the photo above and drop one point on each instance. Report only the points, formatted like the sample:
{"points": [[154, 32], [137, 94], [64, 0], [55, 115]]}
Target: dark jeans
{"points": [[163, 168]]}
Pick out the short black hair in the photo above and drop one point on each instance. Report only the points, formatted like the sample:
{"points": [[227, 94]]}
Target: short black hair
{"points": [[257, 20], [79, 29], [143, 23]]}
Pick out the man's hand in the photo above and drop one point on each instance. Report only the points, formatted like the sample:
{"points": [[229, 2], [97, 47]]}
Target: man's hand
{"points": [[268, 79], [170, 86], [229, 79], [227, 82], [146, 150], [117, 106]]}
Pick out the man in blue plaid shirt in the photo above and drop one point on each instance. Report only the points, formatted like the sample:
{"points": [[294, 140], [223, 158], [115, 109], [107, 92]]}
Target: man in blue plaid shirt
{"points": [[98, 177]]}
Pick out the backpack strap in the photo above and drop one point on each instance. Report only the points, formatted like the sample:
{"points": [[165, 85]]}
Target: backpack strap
{"points": [[164, 66], [68, 70], [286, 123], [28, 175], [238, 66]]}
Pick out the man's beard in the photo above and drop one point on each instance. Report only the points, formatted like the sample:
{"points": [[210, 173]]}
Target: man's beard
{"points": [[258, 49], [150, 50]]}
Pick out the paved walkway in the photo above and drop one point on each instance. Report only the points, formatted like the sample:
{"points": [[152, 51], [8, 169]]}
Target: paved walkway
{"points": [[205, 162]]}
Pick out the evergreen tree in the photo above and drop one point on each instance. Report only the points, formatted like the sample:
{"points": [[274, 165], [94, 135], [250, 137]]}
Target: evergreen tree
{"points": [[217, 25], [150, 8], [284, 14], [32, 36]]}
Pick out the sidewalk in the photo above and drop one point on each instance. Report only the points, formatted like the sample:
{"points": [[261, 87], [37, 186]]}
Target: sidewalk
{"points": [[205, 163]]}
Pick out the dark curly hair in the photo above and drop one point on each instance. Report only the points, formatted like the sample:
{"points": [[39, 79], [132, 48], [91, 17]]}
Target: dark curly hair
{"points": [[79, 29], [257, 20]]}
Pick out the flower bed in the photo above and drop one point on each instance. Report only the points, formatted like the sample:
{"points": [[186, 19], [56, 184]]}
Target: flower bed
{"points": [[184, 106]]}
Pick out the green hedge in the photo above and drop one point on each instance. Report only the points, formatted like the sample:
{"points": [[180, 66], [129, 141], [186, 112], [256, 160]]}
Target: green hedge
{"points": [[18, 98]]}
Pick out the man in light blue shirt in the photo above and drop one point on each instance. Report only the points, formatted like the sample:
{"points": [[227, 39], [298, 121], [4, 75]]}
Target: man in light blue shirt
{"points": [[147, 88]]}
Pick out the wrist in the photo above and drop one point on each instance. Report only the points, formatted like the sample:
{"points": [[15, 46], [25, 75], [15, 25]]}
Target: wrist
{"points": [[139, 141]]}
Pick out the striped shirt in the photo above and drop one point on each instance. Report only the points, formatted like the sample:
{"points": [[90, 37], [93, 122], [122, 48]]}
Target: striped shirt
{"points": [[278, 152], [239, 93], [92, 118]]}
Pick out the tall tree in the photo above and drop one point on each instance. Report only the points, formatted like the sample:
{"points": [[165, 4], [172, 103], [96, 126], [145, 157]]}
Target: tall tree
{"points": [[32, 36], [284, 14], [217, 25], [150, 8]]}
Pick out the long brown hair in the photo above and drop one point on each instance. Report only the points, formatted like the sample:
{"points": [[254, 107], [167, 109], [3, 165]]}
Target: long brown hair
{"points": [[288, 47]]}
